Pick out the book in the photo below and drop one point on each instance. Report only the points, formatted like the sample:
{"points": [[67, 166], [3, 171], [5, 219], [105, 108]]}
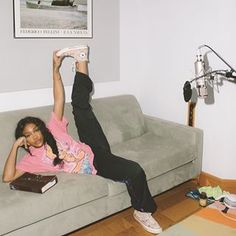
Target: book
{"points": [[34, 182]]}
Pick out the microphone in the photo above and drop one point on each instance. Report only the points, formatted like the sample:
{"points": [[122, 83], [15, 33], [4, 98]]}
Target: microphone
{"points": [[201, 85]]}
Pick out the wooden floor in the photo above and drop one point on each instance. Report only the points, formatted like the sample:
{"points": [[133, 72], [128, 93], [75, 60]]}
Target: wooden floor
{"points": [[173, 207]]}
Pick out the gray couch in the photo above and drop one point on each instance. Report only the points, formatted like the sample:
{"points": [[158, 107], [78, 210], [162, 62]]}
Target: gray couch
{"points": [[170, 154]]}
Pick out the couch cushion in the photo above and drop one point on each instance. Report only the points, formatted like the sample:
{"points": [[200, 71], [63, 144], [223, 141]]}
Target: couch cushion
{"points": [[120, 117], [155, 154], [71, 191], [115, 188]]}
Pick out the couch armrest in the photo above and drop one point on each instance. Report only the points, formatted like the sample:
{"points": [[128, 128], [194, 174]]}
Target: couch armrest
{"points": [[164, 127], [191, 135]]}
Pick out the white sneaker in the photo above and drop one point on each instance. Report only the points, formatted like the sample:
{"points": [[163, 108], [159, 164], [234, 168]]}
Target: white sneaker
{"points": [[148, 222], [79, 53]]}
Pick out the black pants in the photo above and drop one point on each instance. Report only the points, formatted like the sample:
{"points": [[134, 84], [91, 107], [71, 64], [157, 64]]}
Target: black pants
{"points": [[107, 164]]}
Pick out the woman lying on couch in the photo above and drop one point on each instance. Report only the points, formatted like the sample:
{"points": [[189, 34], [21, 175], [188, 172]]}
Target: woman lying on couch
{"points": [[50, 148]]}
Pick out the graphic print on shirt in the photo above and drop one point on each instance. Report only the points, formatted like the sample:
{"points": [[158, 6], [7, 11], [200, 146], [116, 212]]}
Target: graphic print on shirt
{"points": [[76, 160]]}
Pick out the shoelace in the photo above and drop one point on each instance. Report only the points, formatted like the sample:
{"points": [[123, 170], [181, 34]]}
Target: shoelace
{"points": [[148, 220]]}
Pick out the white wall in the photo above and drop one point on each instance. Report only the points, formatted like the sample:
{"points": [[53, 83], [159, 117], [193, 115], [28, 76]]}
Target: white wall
{"points": [[158, 42], [159, 39]]}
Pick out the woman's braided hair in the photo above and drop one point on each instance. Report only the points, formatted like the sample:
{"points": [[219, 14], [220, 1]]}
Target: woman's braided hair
{"points": [[47, 135]]}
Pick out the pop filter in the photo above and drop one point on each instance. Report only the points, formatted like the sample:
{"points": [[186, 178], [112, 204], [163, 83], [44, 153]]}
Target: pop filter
{"points": [[187, 90]]}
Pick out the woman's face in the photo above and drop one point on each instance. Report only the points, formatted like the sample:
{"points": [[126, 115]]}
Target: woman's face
{"points": [[33, 135]]}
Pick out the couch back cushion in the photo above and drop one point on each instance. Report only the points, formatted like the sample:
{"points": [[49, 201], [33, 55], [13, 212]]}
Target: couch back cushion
{"points": [[120, 117]]}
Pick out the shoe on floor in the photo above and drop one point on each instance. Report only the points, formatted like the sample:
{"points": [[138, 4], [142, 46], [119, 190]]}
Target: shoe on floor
{"points": [[79, 53], [147, 221]]}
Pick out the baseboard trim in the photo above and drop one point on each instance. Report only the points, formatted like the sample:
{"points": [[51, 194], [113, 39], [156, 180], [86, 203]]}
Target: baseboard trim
{"points": [[206, 179]]}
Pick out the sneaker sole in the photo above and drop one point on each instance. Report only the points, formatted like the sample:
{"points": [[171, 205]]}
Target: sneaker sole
{"points": [[60, 52], [146, 228]]}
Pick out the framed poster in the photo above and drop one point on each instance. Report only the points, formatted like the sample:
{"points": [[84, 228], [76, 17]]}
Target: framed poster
{"points": [[52, 18]]}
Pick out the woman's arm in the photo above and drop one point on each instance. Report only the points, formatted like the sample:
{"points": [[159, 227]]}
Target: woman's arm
{"points": [[10, 172], [58, 87]]}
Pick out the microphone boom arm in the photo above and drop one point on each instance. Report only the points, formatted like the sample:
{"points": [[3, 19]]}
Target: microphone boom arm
{"points": [[216, 72]]}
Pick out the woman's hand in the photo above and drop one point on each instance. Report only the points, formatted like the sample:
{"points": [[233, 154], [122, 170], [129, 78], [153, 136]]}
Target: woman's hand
{"points": [[21, 142], [57, 61]]}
